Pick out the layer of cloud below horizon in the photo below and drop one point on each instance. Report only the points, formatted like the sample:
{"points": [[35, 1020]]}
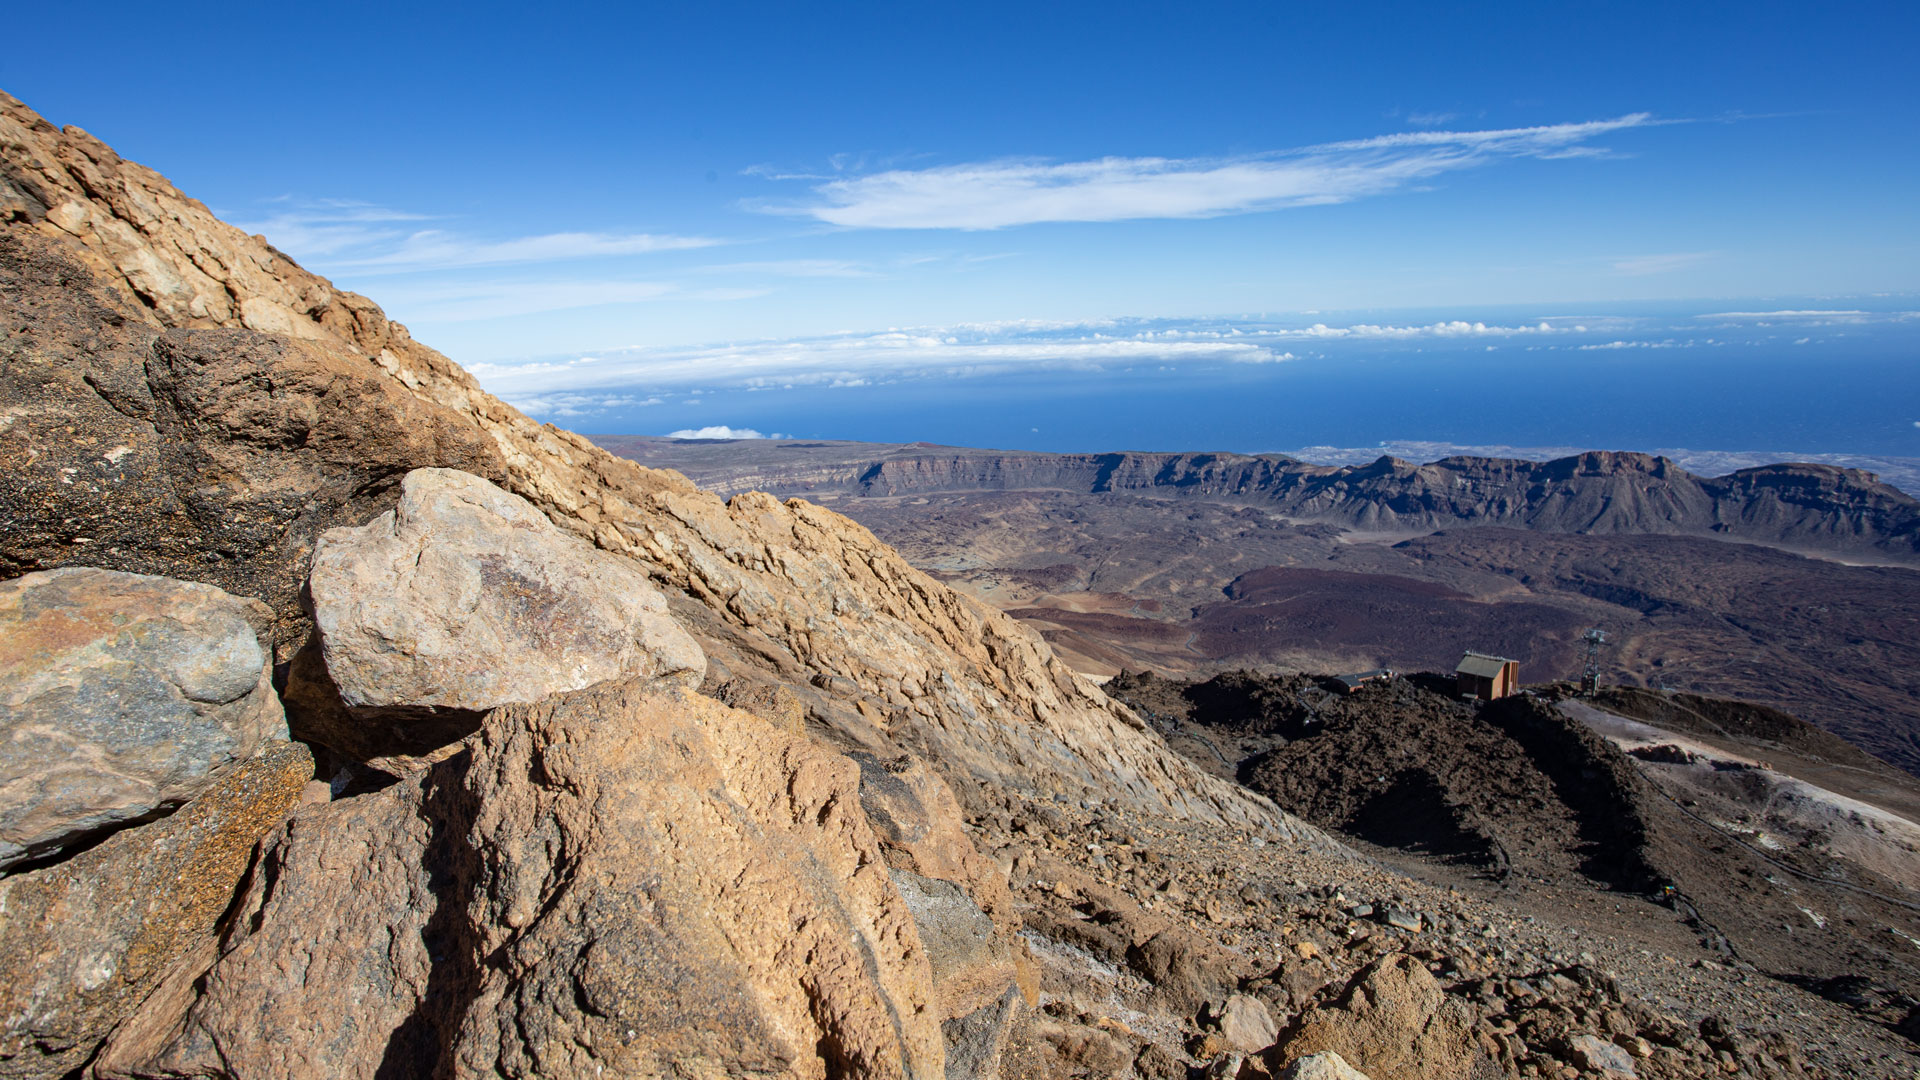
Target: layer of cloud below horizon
{"points": [[632, 377], [547, 386]]}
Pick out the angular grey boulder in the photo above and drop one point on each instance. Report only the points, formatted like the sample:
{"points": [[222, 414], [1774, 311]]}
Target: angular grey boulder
{"points": [[465, 597], [122, 696]]}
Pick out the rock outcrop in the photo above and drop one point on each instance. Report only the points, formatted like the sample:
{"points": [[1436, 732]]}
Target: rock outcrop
{"points": [[122, 696], [86, 941], [463, 598], [208, 455], [630, 880]]}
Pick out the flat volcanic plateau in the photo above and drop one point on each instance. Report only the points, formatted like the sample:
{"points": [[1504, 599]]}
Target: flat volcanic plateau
{"points": [[1795, 586]]}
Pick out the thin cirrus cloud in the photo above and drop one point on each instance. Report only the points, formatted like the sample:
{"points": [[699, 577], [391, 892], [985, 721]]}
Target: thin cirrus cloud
{"points": [[470, 301], [1642, 265], [1006, 193], [433, 249], [347, 236], [796, 268]]}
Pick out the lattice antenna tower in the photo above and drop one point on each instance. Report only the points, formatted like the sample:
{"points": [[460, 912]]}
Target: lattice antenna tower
{"points": [[1590, 674]]}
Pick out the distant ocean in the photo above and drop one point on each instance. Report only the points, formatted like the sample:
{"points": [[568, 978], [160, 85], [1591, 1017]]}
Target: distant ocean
{"points": [[1800, 377]]}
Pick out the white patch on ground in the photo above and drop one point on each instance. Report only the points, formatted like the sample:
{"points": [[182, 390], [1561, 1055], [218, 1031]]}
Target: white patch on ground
{"points": [[1874, 838]]}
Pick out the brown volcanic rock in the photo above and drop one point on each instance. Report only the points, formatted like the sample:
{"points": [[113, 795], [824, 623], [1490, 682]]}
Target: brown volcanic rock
{"points": [[625, 881], [208, 455], [121, 697], [188, 267], [901, 661], [1393, 1021], [86, 941]]}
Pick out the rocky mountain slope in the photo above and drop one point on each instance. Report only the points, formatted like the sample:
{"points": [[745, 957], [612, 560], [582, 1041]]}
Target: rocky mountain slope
{"points": [[1805, 505], [1547, 799], [453, 745]]}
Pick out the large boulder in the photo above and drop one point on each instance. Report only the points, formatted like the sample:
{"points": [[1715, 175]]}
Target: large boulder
{"points": [[1393, 1020], [628, 880], [87, 940], [464, 597], [122, 696]]}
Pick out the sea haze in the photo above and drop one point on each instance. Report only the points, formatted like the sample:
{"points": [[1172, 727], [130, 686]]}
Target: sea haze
{"points": [[1815, 376]]}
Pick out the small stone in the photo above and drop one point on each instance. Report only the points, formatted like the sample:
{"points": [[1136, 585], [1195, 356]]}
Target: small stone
{"points": [[1635, 1045], [1322, 1066], [1247, 1025], [1401, 919], [1306, 950], [1600, 1055]]}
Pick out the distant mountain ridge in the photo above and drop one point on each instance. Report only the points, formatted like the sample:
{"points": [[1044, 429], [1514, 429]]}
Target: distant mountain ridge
{"points": [[1812, 507]]}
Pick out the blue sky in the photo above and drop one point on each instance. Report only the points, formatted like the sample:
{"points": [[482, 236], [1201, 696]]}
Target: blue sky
{"points": [[516, 183]]}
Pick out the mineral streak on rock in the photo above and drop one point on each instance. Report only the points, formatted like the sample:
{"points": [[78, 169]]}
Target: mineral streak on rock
{"points": [[122, 696]]}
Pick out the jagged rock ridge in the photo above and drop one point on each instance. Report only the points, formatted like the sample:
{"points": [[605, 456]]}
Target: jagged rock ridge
{"points": [[1821, 507]]}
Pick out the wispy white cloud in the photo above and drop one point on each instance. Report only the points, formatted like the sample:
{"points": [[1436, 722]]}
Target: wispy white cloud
{"points": [[437, 250], [1787, 314], [721, 431], [800, 268], [1454, 328], [1431, 119], [317, 228], [343, 235], [1641, 265], [1611, 345], [999, 194], [578, 404]]}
